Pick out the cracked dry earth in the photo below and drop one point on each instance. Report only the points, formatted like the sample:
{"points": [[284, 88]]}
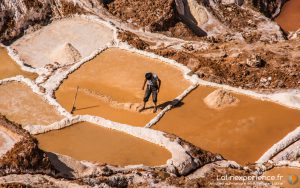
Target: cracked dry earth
{"points": [[229, 102]]}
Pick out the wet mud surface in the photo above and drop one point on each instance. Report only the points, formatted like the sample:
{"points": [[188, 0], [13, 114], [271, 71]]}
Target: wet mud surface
{"points": [[241, 133], [86, 141], [289, 17], [110, 86], [9, 68], [19, 104]]}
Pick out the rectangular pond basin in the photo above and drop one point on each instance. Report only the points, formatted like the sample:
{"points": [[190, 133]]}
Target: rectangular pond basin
{"points": [[64, 41], [110, 86], [86, 141], [241, 133], [9, 68], [21, 105]]}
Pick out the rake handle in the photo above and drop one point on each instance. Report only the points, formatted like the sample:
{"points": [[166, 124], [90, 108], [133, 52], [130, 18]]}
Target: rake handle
{"points": [[74, 101]]}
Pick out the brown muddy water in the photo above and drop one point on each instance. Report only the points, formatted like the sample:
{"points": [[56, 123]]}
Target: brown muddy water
{"points": [[289, 18], [288, 179], [241, 133], [118, 75], [86, 141], [9, 68], [19, 104]]}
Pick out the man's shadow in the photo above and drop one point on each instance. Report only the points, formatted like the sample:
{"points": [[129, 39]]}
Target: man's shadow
{"points": [[175, 104], [88, 107]]}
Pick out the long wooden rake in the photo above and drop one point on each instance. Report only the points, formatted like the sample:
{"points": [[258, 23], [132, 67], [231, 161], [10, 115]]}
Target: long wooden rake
{"points": [[74, 101]]}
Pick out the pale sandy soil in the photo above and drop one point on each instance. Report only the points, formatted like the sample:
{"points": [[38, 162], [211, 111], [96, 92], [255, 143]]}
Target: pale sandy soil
{"points": [[85, 141], [118, 75], [289, 18], [19, 104], [286, 172], [241, 133], [42, 47], [9, 68]]}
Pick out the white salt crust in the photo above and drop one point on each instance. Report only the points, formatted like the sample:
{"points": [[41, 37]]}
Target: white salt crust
{"points": [[8, 142], [293, 164], [260, 168], [290, 98]]}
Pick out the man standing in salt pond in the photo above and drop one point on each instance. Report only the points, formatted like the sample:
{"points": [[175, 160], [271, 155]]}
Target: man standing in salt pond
{"points": [[153, 86]]}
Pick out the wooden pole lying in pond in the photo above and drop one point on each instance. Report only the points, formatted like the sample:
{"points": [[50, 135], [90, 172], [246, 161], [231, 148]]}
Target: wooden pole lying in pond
{"points": [[74, 101]]}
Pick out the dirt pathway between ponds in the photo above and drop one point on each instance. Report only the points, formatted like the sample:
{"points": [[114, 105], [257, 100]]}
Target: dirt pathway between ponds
{"points": [[242, 133], [289, 18], [9, 68], [86, 141], [19, 104], [118, 75]]}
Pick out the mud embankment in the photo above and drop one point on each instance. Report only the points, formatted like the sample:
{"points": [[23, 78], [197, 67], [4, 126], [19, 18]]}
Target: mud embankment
{"points": [[155, 16], [25, 156]]}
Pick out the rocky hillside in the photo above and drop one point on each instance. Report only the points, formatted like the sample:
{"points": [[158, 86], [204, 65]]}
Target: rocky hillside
{"points": [[201, 18], [186, 19], [270, 8], [19, 17], [251, 66], [220, 24], [25, 156], [16, 16]]}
